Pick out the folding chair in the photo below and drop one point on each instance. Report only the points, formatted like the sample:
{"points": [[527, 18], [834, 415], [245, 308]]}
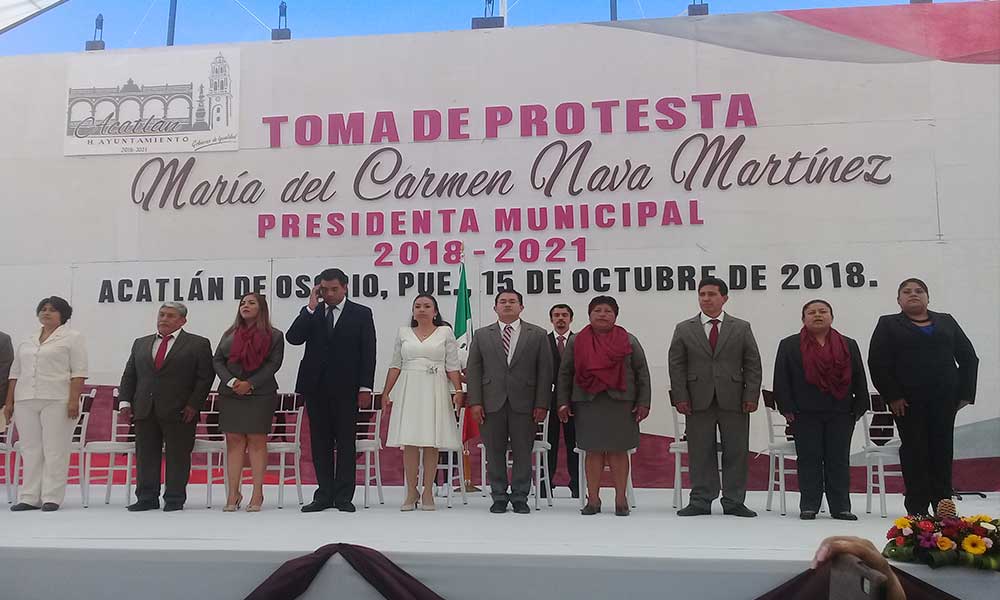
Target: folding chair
{"points": [[881, 448], [285, 440], [629, 491], [453, 467], [122, 442], [210, 441], [369, 443], [539, 461], [780, 446]]}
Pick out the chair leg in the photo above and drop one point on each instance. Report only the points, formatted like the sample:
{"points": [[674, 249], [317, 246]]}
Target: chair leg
{"points": [[677, 479], [368, 473], [582, 459], [128, 478], [881, 487], [86, 479], [537, 466], [548, 478], [378, 476], [461, 477], [781, 482], [482, 467], [629, 489], [281, 480], [110, 478], [770, 481], [298, 475], [868, 485]]}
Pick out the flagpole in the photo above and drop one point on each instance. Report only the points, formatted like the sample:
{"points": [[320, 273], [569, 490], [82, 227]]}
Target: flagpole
{"points": [[463, 299]]}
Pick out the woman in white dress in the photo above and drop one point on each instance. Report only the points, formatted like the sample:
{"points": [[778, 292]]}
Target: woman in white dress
{"points": [[416, 392]]}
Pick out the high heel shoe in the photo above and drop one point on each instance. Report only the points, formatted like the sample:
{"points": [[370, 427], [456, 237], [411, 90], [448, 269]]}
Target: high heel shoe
{"points": [[409, 505], [233, 507], [428, 506], [255, 507]]}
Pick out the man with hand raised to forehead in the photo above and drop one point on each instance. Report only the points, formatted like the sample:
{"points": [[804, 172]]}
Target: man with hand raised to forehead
{"points": [[166, 380], [509, 380], [336, 376], [715, 376]]}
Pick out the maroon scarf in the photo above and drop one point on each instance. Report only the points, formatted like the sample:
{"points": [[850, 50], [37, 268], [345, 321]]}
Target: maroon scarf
{"points": [[599, 359], [250, 347], [827, 367]]}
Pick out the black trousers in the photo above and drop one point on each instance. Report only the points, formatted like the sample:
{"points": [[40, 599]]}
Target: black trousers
{"points": [[572, 460], [823, 446], [332, 430], [927, 432], [152, 436]]}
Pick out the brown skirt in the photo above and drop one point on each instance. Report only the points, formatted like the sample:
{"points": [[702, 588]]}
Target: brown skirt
{"points": [[605, 425]]}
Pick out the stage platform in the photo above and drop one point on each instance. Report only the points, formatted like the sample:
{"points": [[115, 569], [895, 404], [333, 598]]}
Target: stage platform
{"points": [[463, 552]]}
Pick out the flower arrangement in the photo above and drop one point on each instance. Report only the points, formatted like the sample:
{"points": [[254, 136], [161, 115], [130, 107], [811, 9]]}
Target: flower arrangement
{"points": [[945, 540]]}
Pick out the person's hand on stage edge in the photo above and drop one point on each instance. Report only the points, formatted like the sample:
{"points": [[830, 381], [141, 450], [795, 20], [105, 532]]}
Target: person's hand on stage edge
{"points": [[189, 414], [539, 414], [683, 407], [314, 298], [790, 417], [640, 412], [476, 412], [364, 399], [867, 552], [898, 407], [564, 413]]}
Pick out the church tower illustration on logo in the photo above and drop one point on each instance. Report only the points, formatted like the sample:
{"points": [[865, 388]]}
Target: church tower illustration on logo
{"points": [[220, 94]]}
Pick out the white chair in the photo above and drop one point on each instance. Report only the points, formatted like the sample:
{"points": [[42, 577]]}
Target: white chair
{"points": [[286, 440], [629, 491], [369, 443], [779, 448], [453, 467], [122, 442], [881, 448], [76, 447], [7, 460], [540, 461], [210, 441]]}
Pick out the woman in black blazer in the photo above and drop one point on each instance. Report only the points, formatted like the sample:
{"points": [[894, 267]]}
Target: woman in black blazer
{"points": [[821, 388], [925, 368]]}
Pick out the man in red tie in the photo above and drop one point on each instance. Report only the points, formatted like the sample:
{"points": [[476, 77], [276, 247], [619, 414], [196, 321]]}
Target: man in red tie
{"points": [[715, 376], [561, 317], [164, 386]]}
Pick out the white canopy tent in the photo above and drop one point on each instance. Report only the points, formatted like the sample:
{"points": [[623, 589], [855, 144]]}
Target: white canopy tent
{"points": [[15, 12]]}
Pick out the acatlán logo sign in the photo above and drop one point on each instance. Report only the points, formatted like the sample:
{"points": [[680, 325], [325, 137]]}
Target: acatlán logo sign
{"points": [[153, 102]]}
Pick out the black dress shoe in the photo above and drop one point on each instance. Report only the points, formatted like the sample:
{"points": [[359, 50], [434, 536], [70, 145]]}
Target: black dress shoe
{"points": [[739, 511], [807, 515], [22, 506], [315, 506], [844, 516], [345, 507], [521, 507], [172, 506], [693, 510], [50, 507], [590, 509], [142, 505], [499, 506]]}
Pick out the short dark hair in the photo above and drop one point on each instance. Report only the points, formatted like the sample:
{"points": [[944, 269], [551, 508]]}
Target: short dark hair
{"points": [[816, 301], [599, 300], [919, 282], [520, 298], [332, 275], [564, 306], [438, 320], [723, 288], [59, 305]]}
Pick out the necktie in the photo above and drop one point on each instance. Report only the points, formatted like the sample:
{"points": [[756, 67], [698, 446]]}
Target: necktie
{"points": [[331, 318], [508, 330], [561, 344], [713, 336], [161, 352]]}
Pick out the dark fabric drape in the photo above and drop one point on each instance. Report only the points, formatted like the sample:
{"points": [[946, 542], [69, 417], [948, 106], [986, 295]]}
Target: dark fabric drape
{"points": [[815, 585], [293, 578]]}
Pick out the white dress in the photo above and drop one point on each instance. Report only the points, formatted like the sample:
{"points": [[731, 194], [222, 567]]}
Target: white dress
{"points": [[422, 412]]}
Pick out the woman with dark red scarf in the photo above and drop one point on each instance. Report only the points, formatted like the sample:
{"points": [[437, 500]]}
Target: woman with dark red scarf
{"points": [[604, 384], [248, 356], [821, 388]]}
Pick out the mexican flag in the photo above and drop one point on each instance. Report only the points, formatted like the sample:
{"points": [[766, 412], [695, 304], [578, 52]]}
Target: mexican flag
{"points": [[463, 318]]}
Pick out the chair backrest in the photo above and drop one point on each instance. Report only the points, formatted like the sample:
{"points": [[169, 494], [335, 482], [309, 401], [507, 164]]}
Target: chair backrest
{"points": [[542, 430], [287, 426], [87, 400], [121, 430], [778, 429], [369, 423], [878, 424], [207, 427], [680, 421]]}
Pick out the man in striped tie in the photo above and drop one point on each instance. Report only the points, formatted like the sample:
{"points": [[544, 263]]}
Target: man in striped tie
{"points": [[509, 378]]}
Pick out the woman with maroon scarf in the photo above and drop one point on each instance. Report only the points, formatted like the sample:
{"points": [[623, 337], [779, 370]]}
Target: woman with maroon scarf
{"points": [[821, 388], [604, 384], [248, 356]]}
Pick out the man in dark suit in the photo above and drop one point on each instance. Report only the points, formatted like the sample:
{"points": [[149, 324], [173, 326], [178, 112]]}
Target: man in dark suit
{"points": [[6, 360], [509, 379], [715, 376], [166, 380], [336, 376], [561, 317]]}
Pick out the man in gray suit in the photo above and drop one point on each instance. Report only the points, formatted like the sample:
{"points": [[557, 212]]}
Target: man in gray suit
{"points": [[715, 376], [509, 378], [165, 383], [6, 360]]}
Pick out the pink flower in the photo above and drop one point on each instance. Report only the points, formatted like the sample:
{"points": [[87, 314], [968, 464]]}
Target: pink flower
{"points": [[907, 531], [989, 542]]}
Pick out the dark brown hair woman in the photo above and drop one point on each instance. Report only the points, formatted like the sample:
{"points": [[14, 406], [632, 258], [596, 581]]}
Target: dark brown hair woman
{"points": [[246, 360]]}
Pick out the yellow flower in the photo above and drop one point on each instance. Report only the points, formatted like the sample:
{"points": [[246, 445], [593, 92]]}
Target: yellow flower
{"points": [[902, 523], [978, 519], [973, 544], [945, 544]]}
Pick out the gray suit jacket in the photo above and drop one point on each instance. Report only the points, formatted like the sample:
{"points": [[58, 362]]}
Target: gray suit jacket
{"points": [[6, 360], [184, 379], [526, 383], [732, 374], [262, 380], [637, 382]]}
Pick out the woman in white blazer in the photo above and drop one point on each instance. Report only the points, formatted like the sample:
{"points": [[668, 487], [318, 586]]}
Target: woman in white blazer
{"points": [[49, 369]]}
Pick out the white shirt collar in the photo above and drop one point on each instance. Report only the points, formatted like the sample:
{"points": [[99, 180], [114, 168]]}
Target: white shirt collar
{"points": [[566, 335], [705, 318], [516, 325], [176, 333]]}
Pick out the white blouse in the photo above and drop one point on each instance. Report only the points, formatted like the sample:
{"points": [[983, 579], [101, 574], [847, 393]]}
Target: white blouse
{"points": [[43, 370]]}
